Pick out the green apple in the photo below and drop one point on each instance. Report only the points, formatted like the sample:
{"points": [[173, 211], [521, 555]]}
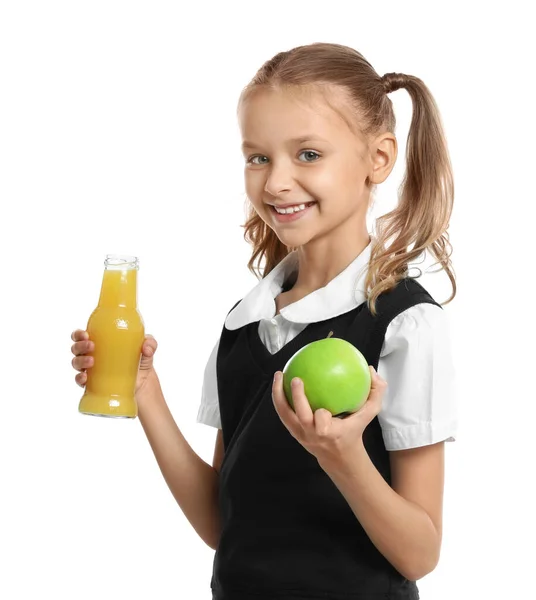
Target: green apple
{"points": [[335, 375]]}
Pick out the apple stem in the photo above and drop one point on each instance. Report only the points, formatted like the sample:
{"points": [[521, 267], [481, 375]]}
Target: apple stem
{"points": [[330, 334]]}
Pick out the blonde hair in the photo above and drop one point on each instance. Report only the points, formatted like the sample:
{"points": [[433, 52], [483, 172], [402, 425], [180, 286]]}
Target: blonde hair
{"points": [[426, 194]]}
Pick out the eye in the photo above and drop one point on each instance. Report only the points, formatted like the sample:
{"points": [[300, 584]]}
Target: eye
{"points": [[251, 160], [310, 154]]}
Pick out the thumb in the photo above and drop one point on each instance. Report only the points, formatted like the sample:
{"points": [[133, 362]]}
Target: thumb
{"points": [[148, 349], [377, 384], [377, 390], [149, 345]]}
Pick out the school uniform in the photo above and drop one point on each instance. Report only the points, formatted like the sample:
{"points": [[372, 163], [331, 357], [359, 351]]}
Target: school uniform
{"points": [[287, 531]]}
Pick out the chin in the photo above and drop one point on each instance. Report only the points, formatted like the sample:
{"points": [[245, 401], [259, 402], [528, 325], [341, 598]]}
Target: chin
{"points": [[293, 239]]}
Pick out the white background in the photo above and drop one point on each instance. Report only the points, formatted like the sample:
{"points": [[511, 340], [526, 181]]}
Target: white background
{"points": [[118, 134]]}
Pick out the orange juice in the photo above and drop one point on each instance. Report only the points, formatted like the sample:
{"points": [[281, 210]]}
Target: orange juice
{"points": [[117, 330]]}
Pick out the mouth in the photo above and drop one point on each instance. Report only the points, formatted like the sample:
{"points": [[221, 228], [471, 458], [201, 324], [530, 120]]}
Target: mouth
{"points": [[291, 212], [288, 209]]}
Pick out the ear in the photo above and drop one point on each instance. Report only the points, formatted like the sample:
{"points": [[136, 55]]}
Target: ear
{"points": [[383, 154]]}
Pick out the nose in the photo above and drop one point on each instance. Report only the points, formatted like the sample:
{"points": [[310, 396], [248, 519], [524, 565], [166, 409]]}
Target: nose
{"points": [[280, 179]]}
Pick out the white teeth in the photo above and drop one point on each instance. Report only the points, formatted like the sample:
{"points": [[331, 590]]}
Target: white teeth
{"points": [[290, 209]]}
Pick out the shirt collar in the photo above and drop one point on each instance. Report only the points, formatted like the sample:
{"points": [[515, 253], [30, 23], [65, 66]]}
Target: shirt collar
{"points": [[343, 293]]}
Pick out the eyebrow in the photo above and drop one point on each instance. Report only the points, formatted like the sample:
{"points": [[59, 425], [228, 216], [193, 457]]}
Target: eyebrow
{"points": [[299, 140]]}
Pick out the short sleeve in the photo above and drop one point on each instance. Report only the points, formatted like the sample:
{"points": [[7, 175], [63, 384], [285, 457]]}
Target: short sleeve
{"points": [[209, 410], [420, 404]]}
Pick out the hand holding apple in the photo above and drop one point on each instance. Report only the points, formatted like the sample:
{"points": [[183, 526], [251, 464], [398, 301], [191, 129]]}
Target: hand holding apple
{"points": [[332, 441]]}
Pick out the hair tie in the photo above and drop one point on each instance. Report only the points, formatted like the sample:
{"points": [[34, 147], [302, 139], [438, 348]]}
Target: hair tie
{"points": [[393, 81]]}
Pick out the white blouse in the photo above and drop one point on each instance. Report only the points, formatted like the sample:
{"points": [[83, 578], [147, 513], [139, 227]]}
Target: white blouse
{"points": [[420, 404]]}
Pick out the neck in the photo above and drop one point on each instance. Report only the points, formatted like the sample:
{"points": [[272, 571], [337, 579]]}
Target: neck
{"points": [[322, 260]]}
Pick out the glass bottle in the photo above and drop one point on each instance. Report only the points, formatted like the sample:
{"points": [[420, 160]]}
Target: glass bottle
{"points": [[116, 327]]}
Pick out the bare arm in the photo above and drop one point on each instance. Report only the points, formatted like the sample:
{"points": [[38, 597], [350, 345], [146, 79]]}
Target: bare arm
{"points": [[404, 522], [218, 452], [193, 482]]}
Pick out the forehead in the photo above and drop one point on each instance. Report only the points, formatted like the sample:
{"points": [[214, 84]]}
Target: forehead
{"points": [[273, 114]]}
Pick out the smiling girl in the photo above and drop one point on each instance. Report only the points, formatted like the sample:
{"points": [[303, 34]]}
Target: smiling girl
{"points": [[303, 504]]}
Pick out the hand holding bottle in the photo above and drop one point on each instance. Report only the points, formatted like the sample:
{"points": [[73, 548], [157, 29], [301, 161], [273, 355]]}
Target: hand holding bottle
{"points": [[83, 349]]}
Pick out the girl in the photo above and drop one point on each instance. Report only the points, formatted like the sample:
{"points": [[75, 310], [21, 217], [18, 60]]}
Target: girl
{"points": [[309, 505]]}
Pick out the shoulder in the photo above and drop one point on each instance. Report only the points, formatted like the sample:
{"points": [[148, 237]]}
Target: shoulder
{"points": [[425, 324], [407, 293], [411, 290]]}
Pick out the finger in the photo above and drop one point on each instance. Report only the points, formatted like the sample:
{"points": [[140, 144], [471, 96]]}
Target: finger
{"points": [[283, 408], [323, 421], [150, 345], [377, 391], [372, 406], [78, 335], [302, 407], [82, 347], [82, 362], [81, 378], [378, 382]]}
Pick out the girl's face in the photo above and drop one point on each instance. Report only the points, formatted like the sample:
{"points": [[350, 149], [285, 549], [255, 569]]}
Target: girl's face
{"points": [[303, 159]]}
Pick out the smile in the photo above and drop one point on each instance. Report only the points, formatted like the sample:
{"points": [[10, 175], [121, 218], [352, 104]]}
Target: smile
{"points": [[288, 210], [291, 213]]}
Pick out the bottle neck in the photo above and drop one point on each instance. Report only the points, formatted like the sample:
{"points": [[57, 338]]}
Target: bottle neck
{"points": [[119, 288], [119, 282]]}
